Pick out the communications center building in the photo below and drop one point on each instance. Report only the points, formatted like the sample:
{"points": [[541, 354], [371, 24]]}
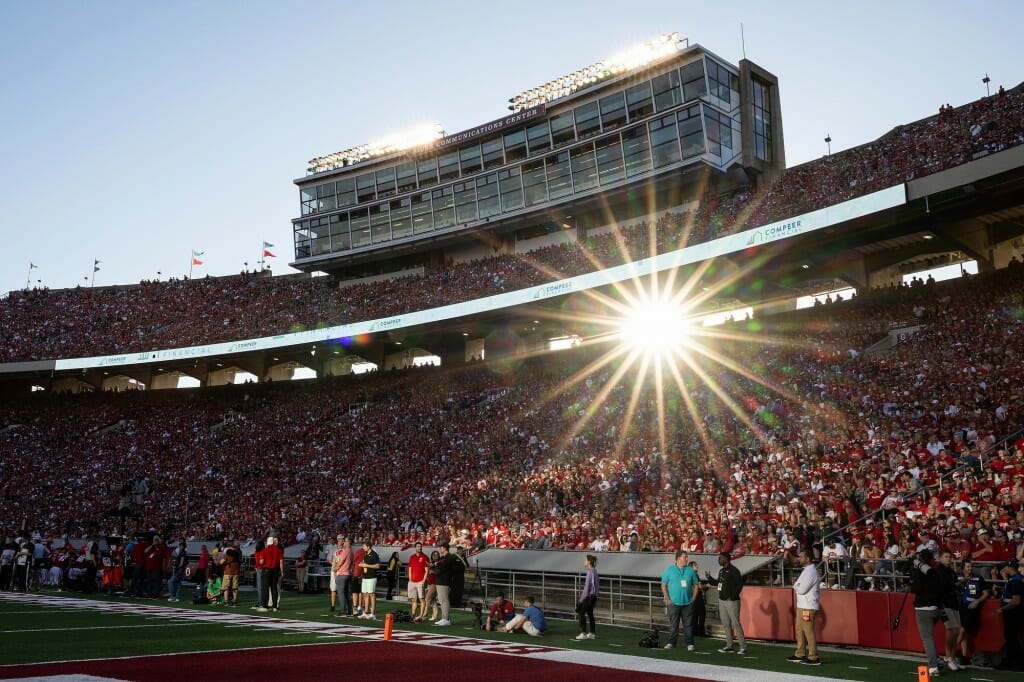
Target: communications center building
{"points": [[626, 138]]}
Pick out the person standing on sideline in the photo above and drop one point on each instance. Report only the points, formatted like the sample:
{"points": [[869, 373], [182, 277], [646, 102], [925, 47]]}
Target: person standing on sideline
{"points": [[273, 569], [418, 565], [973, 591], [232, 563], [301, 565], [393, 563], [179, 562], [808, 589], [679, 585], [341, 568], [951, 614], [443, 572], [729, 583], [1011, 608], [368, 568], [588, 598], [926, 586]]}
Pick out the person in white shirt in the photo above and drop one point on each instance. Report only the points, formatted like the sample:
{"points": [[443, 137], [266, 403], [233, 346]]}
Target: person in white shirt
{"points": [[807, 587]]}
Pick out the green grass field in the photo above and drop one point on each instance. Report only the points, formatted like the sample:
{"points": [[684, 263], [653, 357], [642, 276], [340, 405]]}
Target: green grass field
{"points": [[33, 633]]}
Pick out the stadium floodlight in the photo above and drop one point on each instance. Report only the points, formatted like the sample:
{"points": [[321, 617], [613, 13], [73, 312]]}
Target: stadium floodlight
{"points": [[628, 60], [419, 136]]}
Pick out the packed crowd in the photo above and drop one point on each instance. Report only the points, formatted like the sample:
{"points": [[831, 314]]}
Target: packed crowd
{"points": [[764, 448], [43, 324]]}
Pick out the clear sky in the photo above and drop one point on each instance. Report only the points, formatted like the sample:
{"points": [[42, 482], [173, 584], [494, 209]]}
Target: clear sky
{"points": [[134, 132]]}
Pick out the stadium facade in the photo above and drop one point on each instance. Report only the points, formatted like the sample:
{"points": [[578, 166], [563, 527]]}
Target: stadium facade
{"points": [[605, 144]]}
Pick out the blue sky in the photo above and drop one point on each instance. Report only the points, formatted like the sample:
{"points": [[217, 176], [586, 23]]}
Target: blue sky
{"points": [[134, 132]]}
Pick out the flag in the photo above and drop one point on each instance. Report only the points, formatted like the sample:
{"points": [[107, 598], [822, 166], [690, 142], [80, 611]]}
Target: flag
{"points": [[196, 261], [267, 254], [197, 254], [32, 266], [267, 245], [96, 265]]}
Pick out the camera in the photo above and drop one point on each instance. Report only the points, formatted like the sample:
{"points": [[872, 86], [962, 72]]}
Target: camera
{"points": [[478, 614], [650, 640]]}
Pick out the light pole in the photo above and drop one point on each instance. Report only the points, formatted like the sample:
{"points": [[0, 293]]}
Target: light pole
{"points": [[828, 141], [986, 80]]}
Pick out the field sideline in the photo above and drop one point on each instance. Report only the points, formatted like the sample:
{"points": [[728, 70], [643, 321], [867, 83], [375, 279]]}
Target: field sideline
{"points": [[53, 634]]}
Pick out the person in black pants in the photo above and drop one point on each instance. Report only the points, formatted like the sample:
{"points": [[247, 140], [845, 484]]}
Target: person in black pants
{"points": [[1011, 608], [588, 598]]}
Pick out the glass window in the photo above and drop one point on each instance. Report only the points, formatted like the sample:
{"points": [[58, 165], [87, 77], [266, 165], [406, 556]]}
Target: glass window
{"points": [[613, 111], [448, 166], [559, 175], [365, 188], [465, 202], [320, 235], [763, 143], [719, 80], [664, 141], [426, 170], [636, 151], [444, 207], [406, 177], [588, 120], [470, 159], [401, 220], [307, 197], [515, 145], [511, 184], [535, 188], [325, 197], [609, 159], [562, 130], [667, 93], [386, 182], [488, 202], [422, 220], [301, 239], [584, 168], [380, 223], [360, 224], [340, 238], [346, 192], [538, 138], [639, 103], [692, 76], [494, 155], [691, 133]]}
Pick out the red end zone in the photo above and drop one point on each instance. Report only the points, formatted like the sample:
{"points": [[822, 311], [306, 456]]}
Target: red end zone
{"points": [[373, 658]]}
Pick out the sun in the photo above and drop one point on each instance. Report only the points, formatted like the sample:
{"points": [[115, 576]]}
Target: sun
{"points": [[656, 328]]}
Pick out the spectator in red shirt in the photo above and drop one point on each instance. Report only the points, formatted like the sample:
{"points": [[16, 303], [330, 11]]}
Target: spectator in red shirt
{"points": [[419, 563], [273, 569], [502, 611]]}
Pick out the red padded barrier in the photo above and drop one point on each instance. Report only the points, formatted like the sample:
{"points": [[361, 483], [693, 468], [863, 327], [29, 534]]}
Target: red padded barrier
{"points": [[874, 622]]}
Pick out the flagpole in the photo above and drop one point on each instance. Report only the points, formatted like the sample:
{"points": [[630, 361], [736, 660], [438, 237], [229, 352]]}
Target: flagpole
{"points": [[261, 255], [191, 262], [92, 281], [28, 278]]}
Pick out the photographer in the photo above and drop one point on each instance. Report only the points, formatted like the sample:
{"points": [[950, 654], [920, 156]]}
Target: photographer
{"points": [[927, 588]]}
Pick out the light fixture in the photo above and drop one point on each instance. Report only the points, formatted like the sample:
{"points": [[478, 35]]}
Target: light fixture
{"points": [[628, 60], [407, 139], [929, 236]]}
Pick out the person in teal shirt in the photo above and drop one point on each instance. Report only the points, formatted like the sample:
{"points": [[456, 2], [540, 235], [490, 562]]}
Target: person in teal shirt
{"points": [[679, 585]]}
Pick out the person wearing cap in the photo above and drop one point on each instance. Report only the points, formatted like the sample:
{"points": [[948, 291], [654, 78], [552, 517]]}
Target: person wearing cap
{"points": [[273, 569], [927, 588], [1011, 608]]}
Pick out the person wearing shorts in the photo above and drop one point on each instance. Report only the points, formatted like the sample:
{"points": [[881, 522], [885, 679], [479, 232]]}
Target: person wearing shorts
{"points": [[232, 571], [973, 591], [418, 566], [369, 567]]}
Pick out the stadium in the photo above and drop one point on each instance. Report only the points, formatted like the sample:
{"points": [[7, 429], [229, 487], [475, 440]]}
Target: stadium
{"points": [[610, 322]]}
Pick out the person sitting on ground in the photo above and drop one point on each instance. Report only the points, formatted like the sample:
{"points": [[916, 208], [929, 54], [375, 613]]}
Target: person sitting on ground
{"points": [[531, 620], [502, 611]]}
